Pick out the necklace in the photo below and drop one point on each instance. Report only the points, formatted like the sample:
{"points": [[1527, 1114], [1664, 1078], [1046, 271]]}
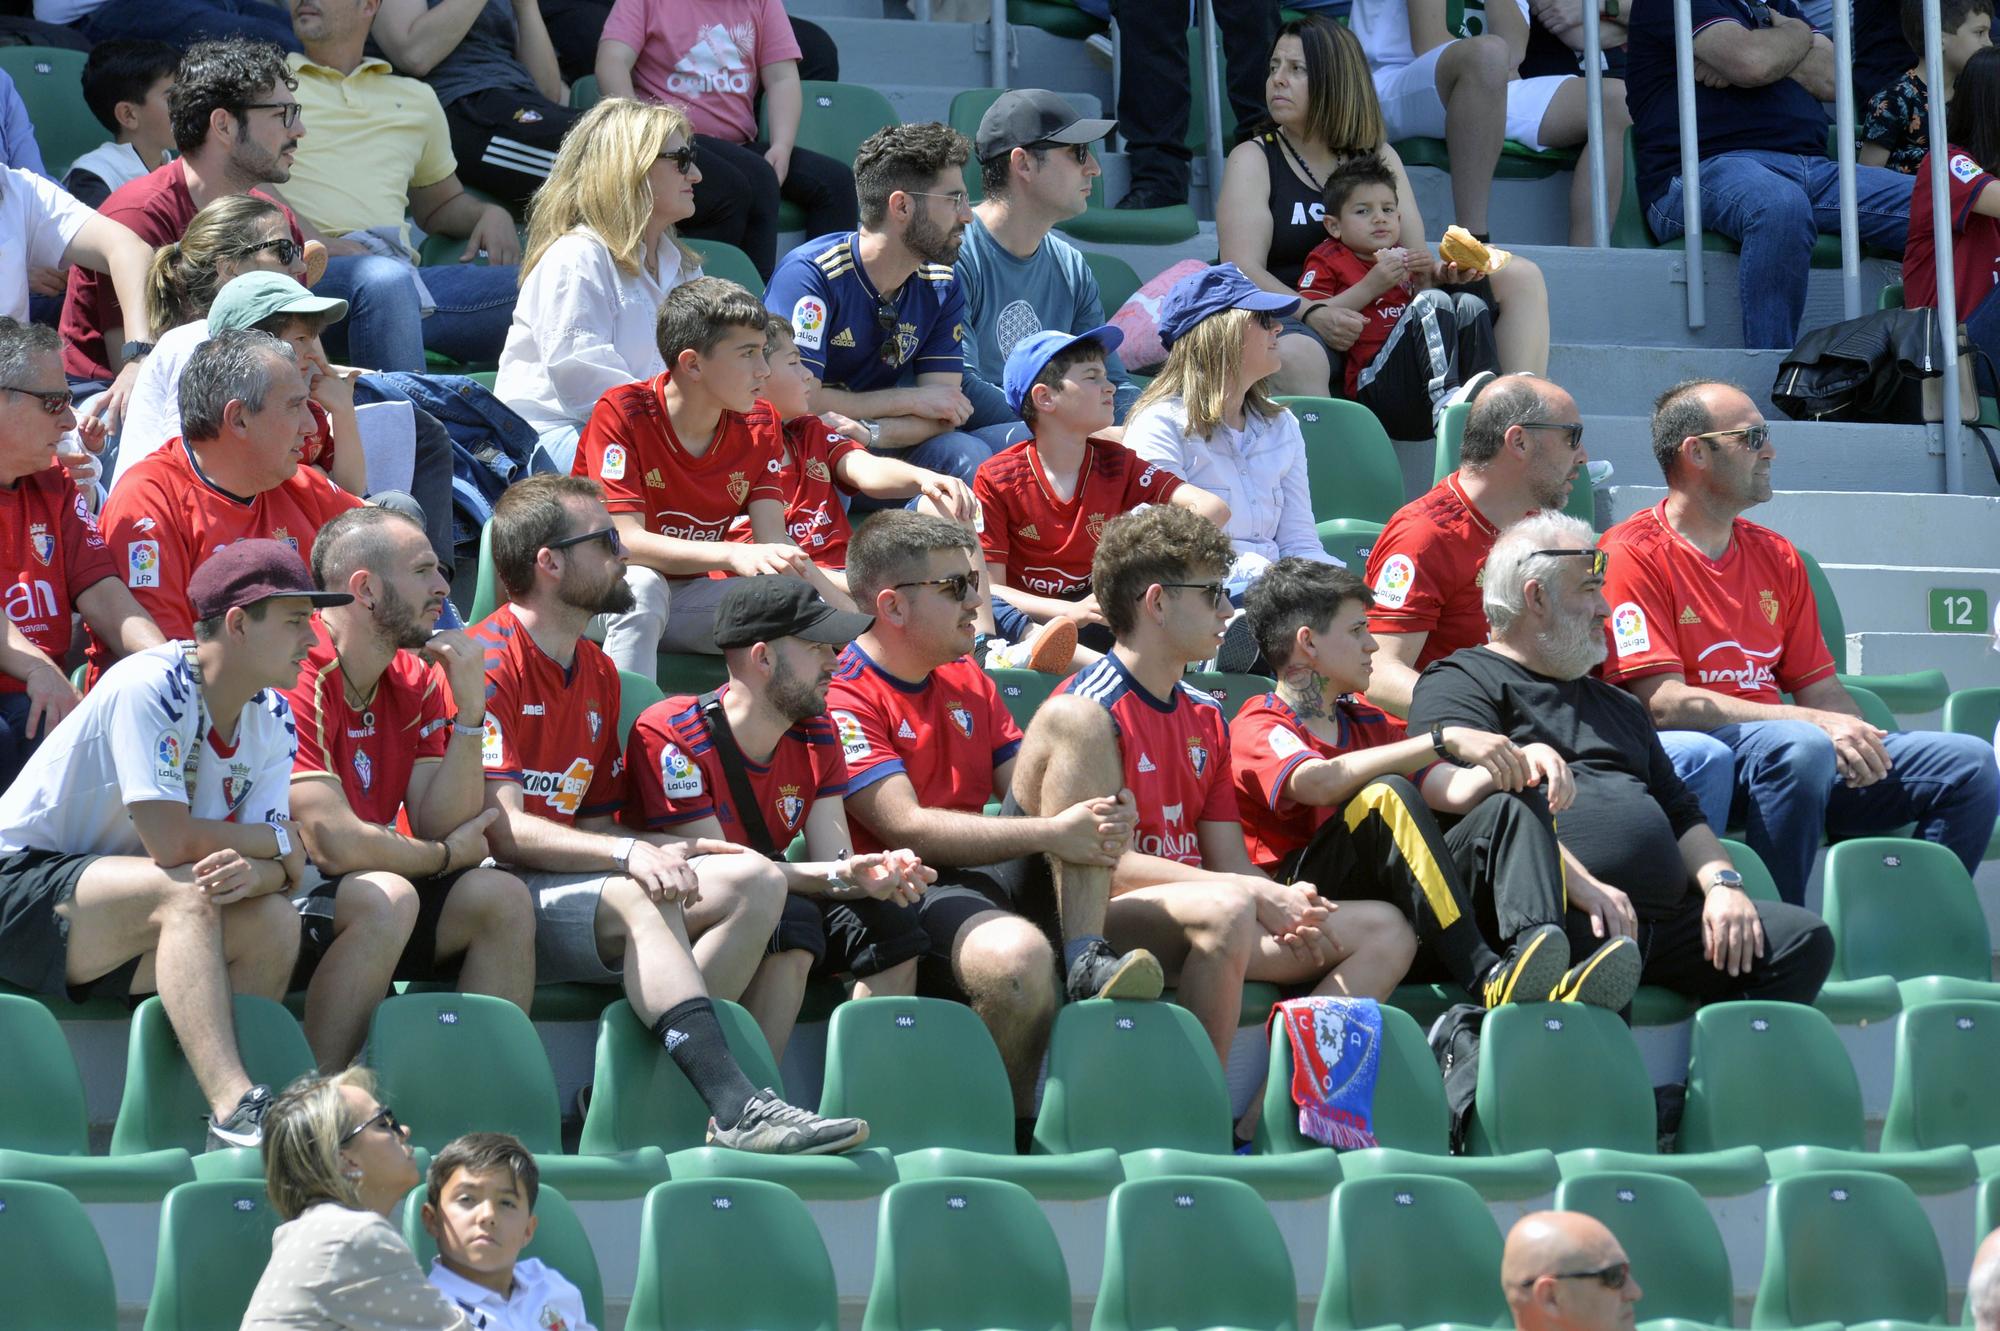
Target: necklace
{"points": [[1299, 160]]}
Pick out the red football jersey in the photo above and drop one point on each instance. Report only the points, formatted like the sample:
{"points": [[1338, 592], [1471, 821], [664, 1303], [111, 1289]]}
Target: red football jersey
{"points": [[630, 449], [1331, 269], [53, 554], [814, 516], [551, 731], [372, 749], [949, 734], [1426, 568], [165, 517], [678, 778], [1047, 544], [1975, 253], [1176, 756], [1746, 624], [1266, 742]]}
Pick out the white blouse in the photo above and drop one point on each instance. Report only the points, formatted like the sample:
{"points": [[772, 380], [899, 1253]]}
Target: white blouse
{"points": [[337, 1268], [582, 327]]}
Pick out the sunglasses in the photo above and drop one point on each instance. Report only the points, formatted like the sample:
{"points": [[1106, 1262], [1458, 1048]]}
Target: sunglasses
{"points": [[682, 158], [608, 535], [887, 318], [1613, 1276], [1080, 151], [385, 1117], [1575, 432], [287, 250], [1216, 593], [54, 403], [1599, 559], [956, 586], [1754, 436], [288, 112]]}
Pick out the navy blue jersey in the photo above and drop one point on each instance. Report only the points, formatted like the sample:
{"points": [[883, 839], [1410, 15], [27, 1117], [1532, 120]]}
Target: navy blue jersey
{"points": [[838, 317]]}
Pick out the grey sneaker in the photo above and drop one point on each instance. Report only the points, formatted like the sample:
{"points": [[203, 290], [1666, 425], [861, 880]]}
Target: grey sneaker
{"points": [[245, 1125], [769, 1126], [1237, 653], [1101, 973], [1531, 970], [1607, 978]]}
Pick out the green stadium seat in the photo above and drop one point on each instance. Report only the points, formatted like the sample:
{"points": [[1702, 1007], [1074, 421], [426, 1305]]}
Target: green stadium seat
{"points": [[1676, 1252], [635, 694], [1907, 909], [1022, 691], [838, 118], [721, 259], [1142, 1079], [1568, 1077], [1410, 1250], [959, 1254], [1193, 1252], [50, 81], [44, 1130], [1517, 160], [1776, 1076], [1912, 691], [1451, 435], [1848, 1246], [1890, 297], [163, 1107], [51, 1262], [928, 1078], [1351, 466], [1411, 1122], [1976, 712], [559, 1242], [1349, 540], [1117, 280], [457, 1063], [1986, 1206], [1229, 690], [1758, 884], [1947, 1080], [1059, 17], [215, 1238], [583, 94], [730, 1252], [639, 1098]]}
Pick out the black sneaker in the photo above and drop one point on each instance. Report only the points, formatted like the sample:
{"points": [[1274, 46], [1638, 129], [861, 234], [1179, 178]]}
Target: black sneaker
{"points": [[1152, 196], [1606, 978], [245, 1125], [769, 1126], [1101, 973], [1531, 970]]}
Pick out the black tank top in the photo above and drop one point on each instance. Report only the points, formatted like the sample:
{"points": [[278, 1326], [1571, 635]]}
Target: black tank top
{"points": [[1295, 213]]}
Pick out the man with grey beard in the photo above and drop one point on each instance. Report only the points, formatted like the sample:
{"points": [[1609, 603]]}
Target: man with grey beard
{"points": [[1633, 835]]}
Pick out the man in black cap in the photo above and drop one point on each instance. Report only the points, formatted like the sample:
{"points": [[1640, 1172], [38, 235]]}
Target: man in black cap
{"points": [[184, 892], [1036, 169], [758, 763]]}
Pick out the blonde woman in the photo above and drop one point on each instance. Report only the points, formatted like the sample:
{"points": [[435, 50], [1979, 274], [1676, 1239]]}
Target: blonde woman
{"points": [[337, 1163], [601, 256]]}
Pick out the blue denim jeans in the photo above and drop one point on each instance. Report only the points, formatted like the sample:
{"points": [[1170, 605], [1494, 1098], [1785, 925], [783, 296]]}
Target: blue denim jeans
{"points": [[385, 328], [1982, 325], [1774, 206], [1789, 794], [1705, 766]]}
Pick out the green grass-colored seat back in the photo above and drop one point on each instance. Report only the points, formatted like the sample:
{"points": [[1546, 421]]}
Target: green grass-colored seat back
{"points": [[1349, 540], [1560, 1076], [1131, 1076], [456, 1063], [41, 1097], [1229, 690], [1182, 1251], [1769, 1075], [639, 1096], [1758, 884], [838, 117], [1351, 466], [922, 1071], [1410, 1250], [1664, 1226], [584, 94], [1847, 1246], [163, 1105], [1973, 712], [717, 1253], [1116, 279], [962, 1254], [721, 259], [50, 81], [1903, 908], [966, 109], [215, 1238], [1022, 691], [560, 1242], [1947, 1078], [635, 694], [52, 1265]]}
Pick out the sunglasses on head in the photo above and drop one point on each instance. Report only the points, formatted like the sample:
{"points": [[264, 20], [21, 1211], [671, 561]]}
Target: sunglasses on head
{"points": [[384, 1116], [682, 158], [955, 586], [286, 249], [608, 535], [55, 403], [1599, 559]]}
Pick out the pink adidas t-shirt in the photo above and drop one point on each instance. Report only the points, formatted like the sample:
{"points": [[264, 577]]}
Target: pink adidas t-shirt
{"points": [[704, 55]]}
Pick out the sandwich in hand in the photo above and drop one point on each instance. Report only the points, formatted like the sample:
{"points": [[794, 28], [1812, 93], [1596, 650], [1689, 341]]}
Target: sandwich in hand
{"points": [[1464, 250]]}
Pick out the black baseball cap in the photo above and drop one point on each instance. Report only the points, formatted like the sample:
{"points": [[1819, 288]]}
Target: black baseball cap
{"points": [[772, 606], [1023, 116]]}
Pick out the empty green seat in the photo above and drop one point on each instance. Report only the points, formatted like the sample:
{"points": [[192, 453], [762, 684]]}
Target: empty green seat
{"points": [[635, 694], [1116, 279], [1142, 1079], [1193, 1252], [1022, 691], [1568, 1077], [721, 259], [50, 81], [44, 1131], [1911, 691], [1349, 540], [926, 1075], [1907, 909], [962, 1254], [1411, 1121], [1059, 17], [1947, 1080], [1848, 1246], [215, 1238], [1351, 465], [1410, 1250], [584, 94], [1976, 712], [639, 1098], [1986, 1205], [1677, 1255], [52, 1266], [730, 1252], [1231, 691], [559, 1242], [837, 119], [457, 1063]]}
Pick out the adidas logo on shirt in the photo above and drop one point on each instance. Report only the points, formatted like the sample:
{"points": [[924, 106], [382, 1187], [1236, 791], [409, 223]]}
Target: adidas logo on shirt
{"points": [[654, 480], [1028, 533], [903, 731], [1145, 762], [1688, 616], [843, 338]]}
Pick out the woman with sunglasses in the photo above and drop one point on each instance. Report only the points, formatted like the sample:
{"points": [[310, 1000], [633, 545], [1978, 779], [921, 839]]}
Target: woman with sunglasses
{"points": [[337, 1164], [602, 255]]}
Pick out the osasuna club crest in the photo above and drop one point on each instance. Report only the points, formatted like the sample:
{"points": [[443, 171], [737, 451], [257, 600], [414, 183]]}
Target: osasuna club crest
{"points": [[43, 543], [364, 770], [790, 806], [596, 723], [235, 790], [961, 718], [1197, 755], [738, 487]]}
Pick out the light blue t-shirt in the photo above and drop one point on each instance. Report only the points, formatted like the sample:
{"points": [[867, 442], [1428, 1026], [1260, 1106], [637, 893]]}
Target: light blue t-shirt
{"points": [[1008, 298]]}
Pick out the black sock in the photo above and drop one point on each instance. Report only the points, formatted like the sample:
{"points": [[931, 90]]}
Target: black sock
{"points": [[1024, 1136], [694, 1037]]}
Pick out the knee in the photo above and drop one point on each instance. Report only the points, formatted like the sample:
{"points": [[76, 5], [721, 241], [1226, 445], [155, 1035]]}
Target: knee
{"points": [[1379, 931], [1485, 59], [378, 278], [1784, 207], [1304, 364], [1010, 961], [499, 903], [1468, 307], [754, 885], [650, 593], [262, 926], [1072, 723], [1220, 917], [1695, 752], [379, 902], [1799, 748], [1616, 115]]}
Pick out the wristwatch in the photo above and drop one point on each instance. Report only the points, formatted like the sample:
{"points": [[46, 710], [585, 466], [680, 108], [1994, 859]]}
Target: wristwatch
{"points": [[621, 854], [459, 727], [284, 839], [1437, 743], [1726, 878], [874, 429], [134, 350]]}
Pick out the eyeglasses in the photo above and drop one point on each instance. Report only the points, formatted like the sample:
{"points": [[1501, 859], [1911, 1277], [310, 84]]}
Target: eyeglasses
{"points": [[889, 319], [682, 158], [287, 250], [1599, 559], [959, 198], [1575, 432], [384, 1116], [608, 535], [1217, 594], [1754, 436], [289, 112], [1080, 151], [1613, 1276], [54, 403], [955, 586]]}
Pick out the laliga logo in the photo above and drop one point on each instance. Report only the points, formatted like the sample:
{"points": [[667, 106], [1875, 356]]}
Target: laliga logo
{"points": [[1626, 621]]}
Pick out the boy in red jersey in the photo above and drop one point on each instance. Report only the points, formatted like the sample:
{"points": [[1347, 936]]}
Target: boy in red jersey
{"points": [[612, 906], [928, 744], [1340, 794], [390, 719], [1044, 501], [1187, 890], [847, 914], [679, 458]]}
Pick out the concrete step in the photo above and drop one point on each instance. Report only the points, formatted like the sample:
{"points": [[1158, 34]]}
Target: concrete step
{"points": [[1826, 456], [823, 9], [1859, 527], [1619, 379], [1967, 660], [878, 51], [1884, 598], [915, 102]]}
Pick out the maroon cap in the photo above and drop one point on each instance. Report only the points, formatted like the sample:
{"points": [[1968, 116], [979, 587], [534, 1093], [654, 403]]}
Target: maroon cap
{"points": [[246, 572]]}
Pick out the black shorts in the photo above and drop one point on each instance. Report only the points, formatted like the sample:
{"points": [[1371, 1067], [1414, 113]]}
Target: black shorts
{"points": [[34, 940], [1024, 886], [419, 959], [859, 938]]}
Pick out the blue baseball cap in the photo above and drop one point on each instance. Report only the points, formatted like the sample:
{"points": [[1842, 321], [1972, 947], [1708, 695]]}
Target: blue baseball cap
{"points": [[1036, 350], [1214, 289]]}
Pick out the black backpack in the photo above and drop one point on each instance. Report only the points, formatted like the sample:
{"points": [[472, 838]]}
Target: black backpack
{"points": [[1454, 1041]]}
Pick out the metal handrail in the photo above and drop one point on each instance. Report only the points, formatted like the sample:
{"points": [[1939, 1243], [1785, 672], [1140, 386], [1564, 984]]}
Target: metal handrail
{"points": [[997, 57], [1593, 116], [1843, 125], [1697, 296], [1213, 110], [1947, 270]]}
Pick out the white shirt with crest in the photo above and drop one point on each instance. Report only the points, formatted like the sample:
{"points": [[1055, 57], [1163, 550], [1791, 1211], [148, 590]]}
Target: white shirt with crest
{"points": [[542, 1300]]}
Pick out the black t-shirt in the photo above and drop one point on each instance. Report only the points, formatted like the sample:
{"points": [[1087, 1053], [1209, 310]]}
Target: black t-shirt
{"points": [[1296, 211], [1630, 810]]}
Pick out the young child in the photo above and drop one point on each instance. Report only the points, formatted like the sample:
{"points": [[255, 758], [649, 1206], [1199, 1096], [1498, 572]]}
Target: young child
{"points": [[1420, 345], [125, 84], [479, 1205], [1895, 125], [1044, 501]]}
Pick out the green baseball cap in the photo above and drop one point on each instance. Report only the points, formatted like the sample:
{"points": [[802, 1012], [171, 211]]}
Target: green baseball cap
{"points": [[254, 297]]}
